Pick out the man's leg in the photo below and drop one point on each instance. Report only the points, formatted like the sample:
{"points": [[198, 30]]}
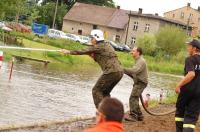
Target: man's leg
{"points": [[134, 101], [104, 86], [111, 80], [191, 115], [180, 111]]}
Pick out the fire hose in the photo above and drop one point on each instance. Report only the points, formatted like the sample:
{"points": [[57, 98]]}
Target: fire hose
{"points": [[155, 114]]}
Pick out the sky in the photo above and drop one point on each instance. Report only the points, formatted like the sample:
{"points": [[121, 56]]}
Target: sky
{"points": [[155, 6]]}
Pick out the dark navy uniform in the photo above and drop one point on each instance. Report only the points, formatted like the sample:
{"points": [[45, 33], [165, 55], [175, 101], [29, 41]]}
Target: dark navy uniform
{"points": [[188, 102]]}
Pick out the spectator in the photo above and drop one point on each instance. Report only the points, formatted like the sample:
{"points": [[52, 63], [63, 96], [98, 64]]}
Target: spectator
{"points": [[161, 96], [109, 116], [146, 100]]}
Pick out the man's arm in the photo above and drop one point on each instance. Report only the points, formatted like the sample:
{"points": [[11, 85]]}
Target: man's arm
{"points": [[86, 51], [128, 72], [188, 78], [131, 72]]}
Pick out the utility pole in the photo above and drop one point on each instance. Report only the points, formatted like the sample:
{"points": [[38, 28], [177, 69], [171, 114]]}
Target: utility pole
{"points": [[54, 18], [188, 24], [129, 17]]}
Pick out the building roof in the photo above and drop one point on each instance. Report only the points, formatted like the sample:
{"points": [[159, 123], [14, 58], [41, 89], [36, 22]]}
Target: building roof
{"points": [[197, 10], [98, 15], [152, 16]]}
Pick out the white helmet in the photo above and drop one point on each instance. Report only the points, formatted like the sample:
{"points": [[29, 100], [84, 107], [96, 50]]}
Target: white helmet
{"points": [[97, 34]]}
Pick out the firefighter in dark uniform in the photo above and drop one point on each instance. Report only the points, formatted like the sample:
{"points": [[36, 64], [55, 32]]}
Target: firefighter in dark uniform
{"points": [[105, 56], [188, 102]]}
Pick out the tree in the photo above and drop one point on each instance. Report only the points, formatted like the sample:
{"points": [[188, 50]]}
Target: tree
{"points": [[46, 13], [33, 17], [147, 43], [12, 9], [170, 40]]}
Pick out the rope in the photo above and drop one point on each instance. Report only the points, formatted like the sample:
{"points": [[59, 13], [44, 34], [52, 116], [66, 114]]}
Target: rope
{"points": [[155, 114], [20, 48]]}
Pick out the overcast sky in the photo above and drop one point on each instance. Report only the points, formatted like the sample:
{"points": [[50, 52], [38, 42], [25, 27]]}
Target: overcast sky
{"points": [[155, 6]]}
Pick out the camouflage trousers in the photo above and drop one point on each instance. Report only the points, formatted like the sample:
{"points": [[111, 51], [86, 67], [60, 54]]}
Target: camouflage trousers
{"points": [[134, 99], [104, 86]]}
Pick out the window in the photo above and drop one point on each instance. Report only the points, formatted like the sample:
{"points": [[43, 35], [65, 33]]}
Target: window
{"points": [[199, 19], [182, 15], [72, 28], [94, 26], [173, 15], [189, 34], [133, 40], [135, 26], [79, 32], [190, 16], [117, 38], [147, 28]]}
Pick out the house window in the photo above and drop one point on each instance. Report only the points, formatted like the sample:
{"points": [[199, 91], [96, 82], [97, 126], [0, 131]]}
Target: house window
{"points": [[94, 26], [199, 19], [117, 38], [80, 23], [147, 28], [182, 15], [79, 32], [173, 15], [72, 28], [133, 40], [189, 34], [135, 26], [190, 16]]}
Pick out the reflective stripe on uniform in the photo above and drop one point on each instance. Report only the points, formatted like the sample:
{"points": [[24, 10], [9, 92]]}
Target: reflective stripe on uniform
{"points": [[188, 126], [179, 119]]}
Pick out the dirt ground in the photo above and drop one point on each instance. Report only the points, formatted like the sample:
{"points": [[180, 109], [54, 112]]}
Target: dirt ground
{"points": [[150, 124]]}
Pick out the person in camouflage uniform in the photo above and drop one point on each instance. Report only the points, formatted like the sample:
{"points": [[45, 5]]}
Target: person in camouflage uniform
{"points": [[139, 73], [106, 57]]}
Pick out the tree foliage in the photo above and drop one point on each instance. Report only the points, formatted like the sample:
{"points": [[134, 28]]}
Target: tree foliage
{"points": [[147, 43], [170, 40], [46, 13], [12, 9]]}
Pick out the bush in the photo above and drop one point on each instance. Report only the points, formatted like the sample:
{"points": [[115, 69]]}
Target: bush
{"points": [[171, 40], [147, 43], [180, 57]]}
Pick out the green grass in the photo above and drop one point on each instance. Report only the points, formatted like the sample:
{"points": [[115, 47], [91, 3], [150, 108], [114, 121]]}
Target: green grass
{"points": [[153, 63], [164, 66], [171, 99]]}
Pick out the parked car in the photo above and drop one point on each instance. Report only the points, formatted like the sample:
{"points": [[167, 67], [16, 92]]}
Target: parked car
{"points": [[84, 39], [19, 27], [2, 24], [73, 37], [120, 47], [115, 46], [53, 33], [126, 48]]}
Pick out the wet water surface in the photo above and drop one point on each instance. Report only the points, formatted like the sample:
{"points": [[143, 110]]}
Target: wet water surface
{"points": [[59, 92]]}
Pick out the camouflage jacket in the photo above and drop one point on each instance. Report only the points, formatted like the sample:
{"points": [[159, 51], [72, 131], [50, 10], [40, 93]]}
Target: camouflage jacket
{"points": [[104, 55]]}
